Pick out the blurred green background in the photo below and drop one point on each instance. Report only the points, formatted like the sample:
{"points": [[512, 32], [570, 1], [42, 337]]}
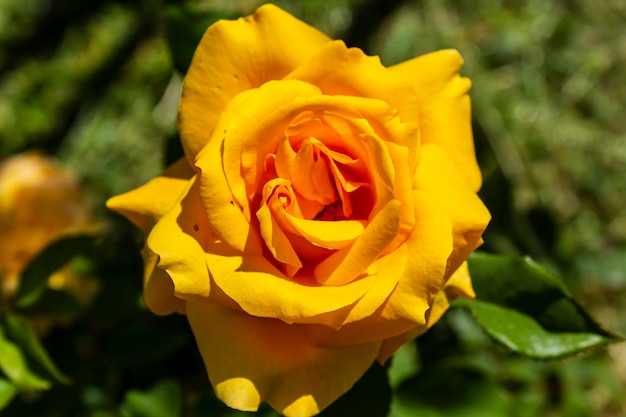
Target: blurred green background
{"points": [[96, 84]]}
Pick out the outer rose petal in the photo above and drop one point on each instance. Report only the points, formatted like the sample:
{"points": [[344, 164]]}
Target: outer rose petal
{"points": [[438, 176], [250, 360], [444, 107], [177, 239], [145, 205], [459, 285], [234, 56], [158, 288]]}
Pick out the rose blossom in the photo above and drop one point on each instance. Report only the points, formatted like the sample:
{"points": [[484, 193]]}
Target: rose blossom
{"points": [[322, 214]]}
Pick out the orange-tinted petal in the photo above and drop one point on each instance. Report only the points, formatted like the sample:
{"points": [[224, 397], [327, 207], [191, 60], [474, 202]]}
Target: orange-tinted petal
{"points": [[270, 215], [424, 258], [347, 264], [145, 205], [233, 161], [234, 56], [444, 108], [391, 148], [312, 176], [243, 147], [250, 359]]}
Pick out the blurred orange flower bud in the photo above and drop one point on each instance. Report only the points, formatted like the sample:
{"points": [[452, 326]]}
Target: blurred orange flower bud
{"points": [[40, 202]]}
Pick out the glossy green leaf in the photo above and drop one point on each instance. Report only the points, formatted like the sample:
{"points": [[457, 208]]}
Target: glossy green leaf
{"points": [[14, 365], [7, 392], [19, 331], [162, 400], [526, 308], [446, 391], [34, 278], [523, 334]]}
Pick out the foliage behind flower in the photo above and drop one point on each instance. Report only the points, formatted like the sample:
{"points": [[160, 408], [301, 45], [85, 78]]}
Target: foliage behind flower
{"points": [[323, 212]]}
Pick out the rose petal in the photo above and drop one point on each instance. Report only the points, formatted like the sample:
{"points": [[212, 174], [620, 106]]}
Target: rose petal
{"points": [[400, 154], [338, 70], [327, 234], [312, 176], [459, 285], [387, 272], [250, 360], [270, 215], [229, 220], [424, 258], [178, 240], [444, 108], [262, 290], [234, 56], [158, 288], [348, 264], [244, 143], [246, 146], [231, 158], [428, 249], [145, 205], [444, 182]]}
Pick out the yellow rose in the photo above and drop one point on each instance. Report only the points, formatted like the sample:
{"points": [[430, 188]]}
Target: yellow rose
{"points": [[39, 202], [322, 215]]}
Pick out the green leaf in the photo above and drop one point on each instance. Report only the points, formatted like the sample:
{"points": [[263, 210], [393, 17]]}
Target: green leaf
{"points": [[527, 309], [21, 333], [34, 278], [447, 391], [523, 334], [7, 392], [15, 367], [162, 400], [404, 363]]}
